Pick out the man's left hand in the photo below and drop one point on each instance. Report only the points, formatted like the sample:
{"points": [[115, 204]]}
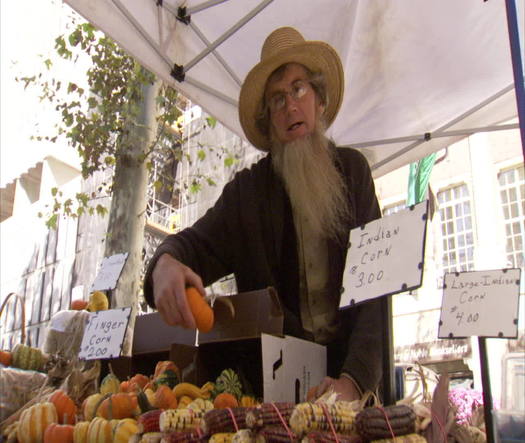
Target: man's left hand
{"points": [[344, 386]]}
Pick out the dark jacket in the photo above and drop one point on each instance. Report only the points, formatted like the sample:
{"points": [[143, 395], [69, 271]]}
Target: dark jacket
{"points": [[250, 232]]}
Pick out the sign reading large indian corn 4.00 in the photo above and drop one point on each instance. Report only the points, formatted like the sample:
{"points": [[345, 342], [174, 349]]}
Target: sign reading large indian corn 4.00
{"points": [[481, 303], [385, 256]]}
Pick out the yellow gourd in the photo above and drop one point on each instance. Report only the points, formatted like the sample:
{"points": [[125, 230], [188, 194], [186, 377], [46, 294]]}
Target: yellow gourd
{"points": [[80, 432], [124, 429], [110, 384], [90, 406], [100, 430], [98, 301], [34, 421]]}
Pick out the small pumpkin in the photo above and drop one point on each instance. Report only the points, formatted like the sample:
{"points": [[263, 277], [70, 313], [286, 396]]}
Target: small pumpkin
{"points": [[124, 430], [80, 432], [247, 401], [225, 400], [79, 305], [100, 430], [165, 398], [34, 421], [110, 384], [6, 358], [65, 406], [55, 433], [98, 301], [118, 406], [201, 310]]}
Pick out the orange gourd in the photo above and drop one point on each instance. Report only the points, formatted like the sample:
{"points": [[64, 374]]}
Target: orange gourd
{"points": [[202, 312], [6, 358], [118, 406], [79, 305], [138, 382], [165, 398], [124, 386], [225, 400], [65, 406], [55, 433]]}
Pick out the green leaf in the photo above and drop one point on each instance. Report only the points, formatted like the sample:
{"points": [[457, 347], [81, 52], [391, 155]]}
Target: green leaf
{"points": [[201, 155], [229, 161], [54, 191], [51, 222], [212, 122], [210, 181], [195, 187]]}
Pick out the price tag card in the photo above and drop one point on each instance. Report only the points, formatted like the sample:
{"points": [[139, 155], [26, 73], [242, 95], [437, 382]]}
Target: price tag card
{"points": [[481, 303], [385, 256], [104, 334], [109, 272]]}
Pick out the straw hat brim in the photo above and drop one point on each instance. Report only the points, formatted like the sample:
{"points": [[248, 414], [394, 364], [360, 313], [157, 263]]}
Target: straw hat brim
{"points": [[315, 55]]}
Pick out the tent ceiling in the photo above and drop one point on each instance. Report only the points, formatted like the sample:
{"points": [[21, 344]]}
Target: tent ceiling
{"points": [[412, 68]]}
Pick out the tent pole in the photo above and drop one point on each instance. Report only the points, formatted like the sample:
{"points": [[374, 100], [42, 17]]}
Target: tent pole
{"points": [[227, 34], [424, 137], [204, 6], [517, 66], [389, 391], [215, 53]]}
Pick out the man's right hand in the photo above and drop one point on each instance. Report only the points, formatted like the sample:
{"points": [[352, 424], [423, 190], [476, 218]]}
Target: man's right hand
{"points": [[170, 279]]}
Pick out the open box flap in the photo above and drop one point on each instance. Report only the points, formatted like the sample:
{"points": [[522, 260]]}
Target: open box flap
{"points": [[256, 312]]}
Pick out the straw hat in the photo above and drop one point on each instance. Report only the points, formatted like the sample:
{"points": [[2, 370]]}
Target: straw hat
{"points": [[287, 45]]}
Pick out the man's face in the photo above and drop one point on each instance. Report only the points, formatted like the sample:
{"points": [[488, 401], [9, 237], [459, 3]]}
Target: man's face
{"points": [[293, 104]]}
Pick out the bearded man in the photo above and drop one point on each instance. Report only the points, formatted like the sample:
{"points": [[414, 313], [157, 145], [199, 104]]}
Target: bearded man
{"points": [[285, 221]]}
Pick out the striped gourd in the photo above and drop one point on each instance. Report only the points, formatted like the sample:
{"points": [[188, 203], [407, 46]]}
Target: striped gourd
{"points": [[80, 432], [308, 417], [100, 431], [34, 420], [179, 419], [26, 357], [267, 414]]}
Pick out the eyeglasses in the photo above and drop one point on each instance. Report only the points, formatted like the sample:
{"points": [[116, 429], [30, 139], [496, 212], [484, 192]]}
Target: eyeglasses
{"points": [[277, 101]]}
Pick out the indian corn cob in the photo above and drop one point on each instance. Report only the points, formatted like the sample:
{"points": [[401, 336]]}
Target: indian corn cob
{"points": [[329, 437], [151, 437], [149, 421], [183, 437], [376, 423], [308, 417], [408, 438], [179, 419], [275, 434], [224, 420], [266, 414]]}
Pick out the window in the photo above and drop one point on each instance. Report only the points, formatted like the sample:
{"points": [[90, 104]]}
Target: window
{"points": [[456, 229], [512, 192]]}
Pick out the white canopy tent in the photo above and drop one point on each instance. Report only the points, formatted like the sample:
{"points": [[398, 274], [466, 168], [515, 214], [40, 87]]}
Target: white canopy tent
{"points": [[419, 75]]}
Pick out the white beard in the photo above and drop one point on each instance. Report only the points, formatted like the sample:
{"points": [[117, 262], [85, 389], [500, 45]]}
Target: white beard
{"points": [[316, 189]]}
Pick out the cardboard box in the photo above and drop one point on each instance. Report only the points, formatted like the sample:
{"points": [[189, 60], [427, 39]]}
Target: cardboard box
{"points": [[273, 366]]}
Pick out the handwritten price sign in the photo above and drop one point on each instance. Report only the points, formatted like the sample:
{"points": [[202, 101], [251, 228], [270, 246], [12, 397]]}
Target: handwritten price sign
{"points": [[385, 256], [481, 303], [104, 334]]}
